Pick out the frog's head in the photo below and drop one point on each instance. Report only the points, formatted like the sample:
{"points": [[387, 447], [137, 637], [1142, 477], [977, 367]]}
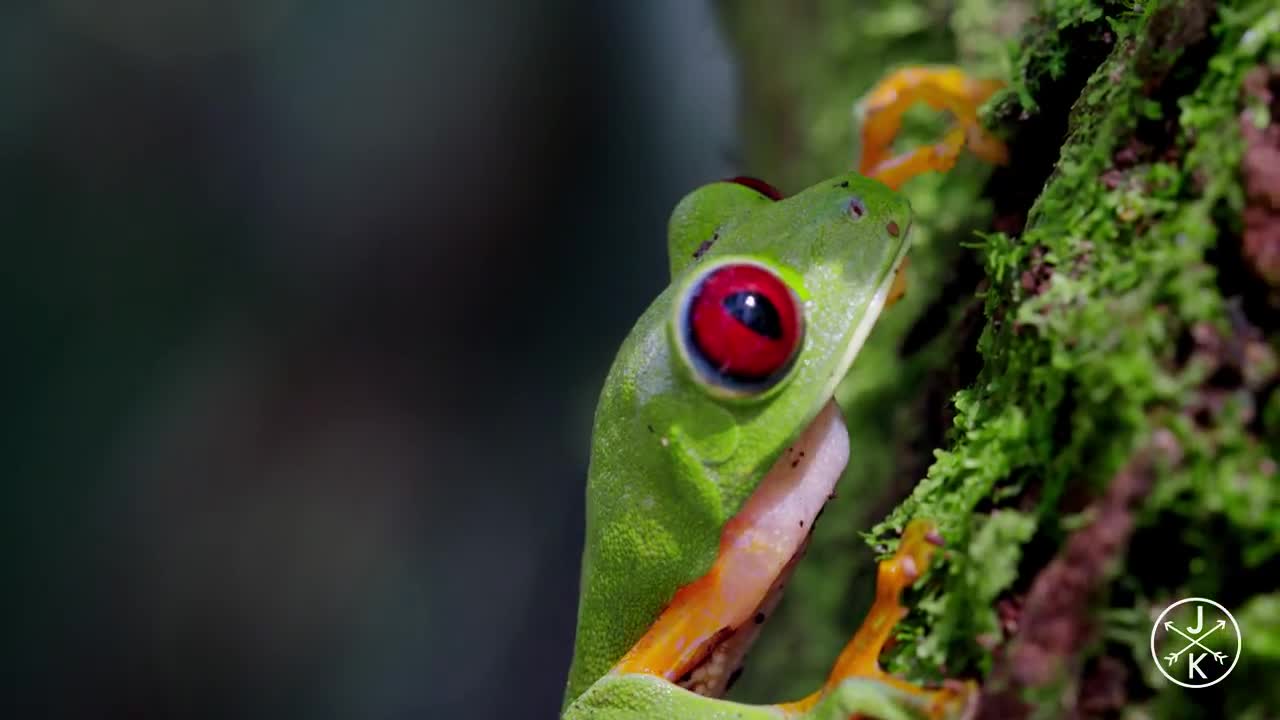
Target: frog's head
{"points": [[780, 295], [770, 303]]}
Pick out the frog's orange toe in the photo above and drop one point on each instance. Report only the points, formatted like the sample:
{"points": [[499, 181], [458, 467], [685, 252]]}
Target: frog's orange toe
{"points": [[942, 88], [861, 657]]}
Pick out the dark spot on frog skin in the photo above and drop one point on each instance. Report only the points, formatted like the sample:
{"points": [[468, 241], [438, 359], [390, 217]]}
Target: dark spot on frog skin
{"points": [[844, 184], [759, 618], [892, 227], [795, 463], [705, 246], [650, 427], [801, 523]]}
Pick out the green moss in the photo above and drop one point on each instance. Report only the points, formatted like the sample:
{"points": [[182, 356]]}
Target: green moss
{"points": [[1088, 315], [989, 567], [1078, 376]]}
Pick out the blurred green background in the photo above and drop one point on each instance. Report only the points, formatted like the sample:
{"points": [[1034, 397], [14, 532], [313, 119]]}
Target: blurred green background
{"points": [[308, 305]]}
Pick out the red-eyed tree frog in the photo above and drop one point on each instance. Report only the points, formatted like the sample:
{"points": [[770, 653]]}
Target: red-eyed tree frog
{"points": [[717, 441]]}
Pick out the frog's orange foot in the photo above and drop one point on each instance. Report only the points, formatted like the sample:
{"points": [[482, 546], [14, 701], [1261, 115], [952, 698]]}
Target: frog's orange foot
{"points": [[899, 287], [942, 88], [860, 660]]}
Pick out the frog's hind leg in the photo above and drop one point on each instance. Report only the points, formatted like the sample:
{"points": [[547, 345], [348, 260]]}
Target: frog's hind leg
{"points": [[856, 683], [942, 88]]}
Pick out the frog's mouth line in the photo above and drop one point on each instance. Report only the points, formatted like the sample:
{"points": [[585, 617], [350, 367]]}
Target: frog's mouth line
{"points": [[701, 638]]}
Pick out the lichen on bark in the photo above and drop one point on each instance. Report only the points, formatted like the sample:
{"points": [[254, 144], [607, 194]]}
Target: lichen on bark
{"points": [[1080, 387]]}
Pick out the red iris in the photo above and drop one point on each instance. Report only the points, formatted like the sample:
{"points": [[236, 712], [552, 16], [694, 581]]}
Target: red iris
{"points": [[744, 322]]}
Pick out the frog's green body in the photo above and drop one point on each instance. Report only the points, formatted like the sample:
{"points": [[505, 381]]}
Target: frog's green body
{"points": [[702, 400], [672, 459]]}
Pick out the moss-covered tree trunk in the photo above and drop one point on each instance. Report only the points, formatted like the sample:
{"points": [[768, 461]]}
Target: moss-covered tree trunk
{"points": [[1080, 385]]}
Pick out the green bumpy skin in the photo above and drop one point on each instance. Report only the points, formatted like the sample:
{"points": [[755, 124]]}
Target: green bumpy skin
{"points": [[672, 460], [644, 697]]}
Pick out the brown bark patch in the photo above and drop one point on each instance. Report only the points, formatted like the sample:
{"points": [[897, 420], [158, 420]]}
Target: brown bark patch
{"points": [[1036, 279], [1055, 622], [1261, 170]]}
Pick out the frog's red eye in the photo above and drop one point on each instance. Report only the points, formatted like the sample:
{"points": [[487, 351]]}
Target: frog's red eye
{"points": [[758, 185], [742, 327]]}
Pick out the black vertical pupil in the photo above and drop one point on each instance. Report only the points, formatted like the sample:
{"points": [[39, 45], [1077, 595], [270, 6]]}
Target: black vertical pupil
{"points": [[756, 312]]}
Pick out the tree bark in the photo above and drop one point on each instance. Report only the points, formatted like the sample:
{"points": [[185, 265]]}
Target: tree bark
{"points": [[1080, 385]]}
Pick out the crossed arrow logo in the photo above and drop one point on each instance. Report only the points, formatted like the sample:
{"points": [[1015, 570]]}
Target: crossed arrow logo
{"points": [[1172, 658], [1196, 650]]}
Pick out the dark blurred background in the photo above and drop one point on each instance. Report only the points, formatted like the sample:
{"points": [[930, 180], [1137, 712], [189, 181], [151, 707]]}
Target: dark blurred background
{"points": [[308, 304]]}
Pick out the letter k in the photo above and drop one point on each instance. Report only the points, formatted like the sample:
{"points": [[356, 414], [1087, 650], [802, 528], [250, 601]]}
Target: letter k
{"points": [[1193, 665]]}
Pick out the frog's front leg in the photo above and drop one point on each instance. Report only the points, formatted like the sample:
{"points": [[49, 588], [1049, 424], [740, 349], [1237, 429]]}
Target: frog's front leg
{"points": [[857, 685], [942, 88], [855, 688]]}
